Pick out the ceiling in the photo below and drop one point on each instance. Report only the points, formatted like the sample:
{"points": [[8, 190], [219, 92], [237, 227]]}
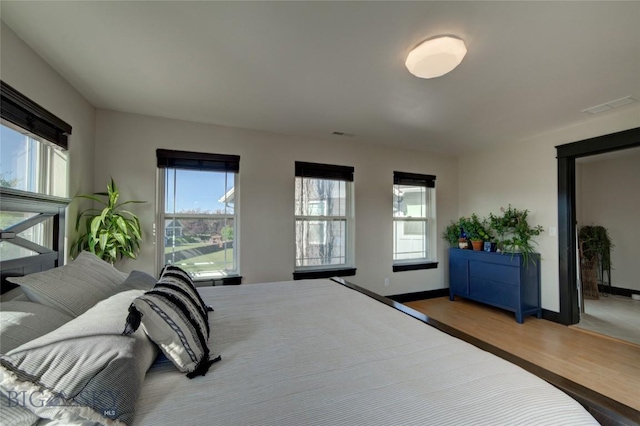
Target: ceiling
{"points": [[312, 68]]}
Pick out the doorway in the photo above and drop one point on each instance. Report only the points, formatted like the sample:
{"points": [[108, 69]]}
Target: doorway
{"points": [[567, 155], [607, 205]]}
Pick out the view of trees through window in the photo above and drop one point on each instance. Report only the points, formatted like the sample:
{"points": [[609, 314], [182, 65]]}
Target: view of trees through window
{"points": [[199, 221], [30, 164], [321, 222]]}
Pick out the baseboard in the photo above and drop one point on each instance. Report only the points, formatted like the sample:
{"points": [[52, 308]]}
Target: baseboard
{"points": [[420, 295], [546, 314], [551, 316], [618, 291]]}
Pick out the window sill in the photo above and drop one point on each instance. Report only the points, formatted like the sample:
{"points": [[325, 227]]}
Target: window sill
{"points": [[414, 266], [229, 280], [323, 273]]}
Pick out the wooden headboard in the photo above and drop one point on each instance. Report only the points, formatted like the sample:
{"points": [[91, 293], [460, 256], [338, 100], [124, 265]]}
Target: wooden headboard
{"points": [[39, 209]]}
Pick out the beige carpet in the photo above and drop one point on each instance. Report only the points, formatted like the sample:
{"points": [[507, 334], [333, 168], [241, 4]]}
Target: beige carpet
{"points": [[615, 316]]}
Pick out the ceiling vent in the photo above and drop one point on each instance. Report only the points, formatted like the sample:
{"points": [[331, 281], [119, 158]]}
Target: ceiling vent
{"points": [[346, 135], [610, 105]]}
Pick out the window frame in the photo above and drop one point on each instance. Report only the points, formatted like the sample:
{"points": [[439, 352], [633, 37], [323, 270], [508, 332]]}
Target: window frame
{"points": [[430, 225], [28, 115], [21, 114], [329, 172], [203, 162]]}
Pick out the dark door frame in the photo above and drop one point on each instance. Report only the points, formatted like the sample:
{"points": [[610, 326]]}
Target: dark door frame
{"points": [[567, 154]]}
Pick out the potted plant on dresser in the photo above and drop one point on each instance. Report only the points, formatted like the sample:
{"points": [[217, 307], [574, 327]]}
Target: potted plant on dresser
{"points": [[509, 281], [455, 235], [452, 234], [476, 230], [514, 233]]}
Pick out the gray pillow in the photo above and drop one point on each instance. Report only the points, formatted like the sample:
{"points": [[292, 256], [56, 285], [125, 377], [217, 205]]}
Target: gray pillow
{"points": [[138, 280], [85, 370], [74, 287], [13, 294], [22, 321]]}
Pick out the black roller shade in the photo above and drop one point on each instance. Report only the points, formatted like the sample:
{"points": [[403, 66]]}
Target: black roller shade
{"points": [[198, 161], [415, 179], [324, 171], [23, 112]]}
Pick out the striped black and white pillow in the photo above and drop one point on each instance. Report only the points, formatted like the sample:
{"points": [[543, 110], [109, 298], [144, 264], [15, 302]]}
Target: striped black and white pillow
{"points": [[176, 318]]}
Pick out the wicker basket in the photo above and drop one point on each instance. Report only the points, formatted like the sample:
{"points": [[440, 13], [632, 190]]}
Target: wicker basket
{"points": [[589, 275]]}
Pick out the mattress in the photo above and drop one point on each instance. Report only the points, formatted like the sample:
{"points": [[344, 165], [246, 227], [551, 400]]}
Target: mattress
{"points": [[313, 352]]}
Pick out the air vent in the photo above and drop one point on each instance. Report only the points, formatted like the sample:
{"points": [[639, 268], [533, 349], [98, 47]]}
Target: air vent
{"points": [[346, 135], [610, 105]]}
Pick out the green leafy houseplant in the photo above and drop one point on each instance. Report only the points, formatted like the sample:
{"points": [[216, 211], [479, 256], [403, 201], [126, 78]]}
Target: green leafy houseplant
{"points": [[513, 231], [475, 228], [510, 230], [452, 233], [596, 243], [472, 227], [111, 233]]}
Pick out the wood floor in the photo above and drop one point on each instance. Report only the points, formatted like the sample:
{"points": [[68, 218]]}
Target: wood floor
{"points": [[607, 368]]}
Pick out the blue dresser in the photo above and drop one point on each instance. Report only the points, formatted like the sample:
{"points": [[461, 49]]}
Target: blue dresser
{"points": [[501, 280]]}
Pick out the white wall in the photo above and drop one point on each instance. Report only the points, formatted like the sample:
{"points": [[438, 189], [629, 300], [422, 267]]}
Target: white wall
{"points": [[25, 71], [524, 174], [610, 197], [125, 149]]}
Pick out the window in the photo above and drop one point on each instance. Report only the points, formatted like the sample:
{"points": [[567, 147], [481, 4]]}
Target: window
{"points": [[198, 213], [324, 220], [33, 158], [33, 146], [413, 221], [32, 165]]}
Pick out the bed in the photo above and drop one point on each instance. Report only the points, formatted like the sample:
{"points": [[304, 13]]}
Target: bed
{"points": [[291, 353], [317, 352]]}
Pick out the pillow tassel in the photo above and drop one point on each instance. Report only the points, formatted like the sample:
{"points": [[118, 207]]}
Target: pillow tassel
{"points": [[209, 308], [133, 320], [203, 367]]}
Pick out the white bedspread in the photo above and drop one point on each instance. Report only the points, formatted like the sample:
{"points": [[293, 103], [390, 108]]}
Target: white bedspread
{"points": [[313, 352]]}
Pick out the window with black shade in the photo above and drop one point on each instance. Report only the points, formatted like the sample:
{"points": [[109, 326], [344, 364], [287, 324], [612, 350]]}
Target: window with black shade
{"points": [[33, 158], [33, 146], [414, 227], [197, 227], [324, 221]]}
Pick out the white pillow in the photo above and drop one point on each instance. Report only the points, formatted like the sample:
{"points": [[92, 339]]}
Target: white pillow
{"points": [[21, 322], [74, 287]]}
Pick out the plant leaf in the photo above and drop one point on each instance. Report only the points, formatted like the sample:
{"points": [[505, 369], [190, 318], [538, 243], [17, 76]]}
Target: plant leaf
{"points": [[103, 240], [93, 198], [122, 224], [95, 225], [120, 238]]}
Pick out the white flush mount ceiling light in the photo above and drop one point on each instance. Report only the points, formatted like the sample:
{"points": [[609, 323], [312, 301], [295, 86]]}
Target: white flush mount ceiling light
{"points": [[436, 57]]}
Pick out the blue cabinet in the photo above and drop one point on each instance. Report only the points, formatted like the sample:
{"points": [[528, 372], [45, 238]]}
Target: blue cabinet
{"points": [[501, 280]]}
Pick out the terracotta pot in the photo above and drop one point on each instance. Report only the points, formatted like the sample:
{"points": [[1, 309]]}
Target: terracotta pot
{"points": [[477, 244]]}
